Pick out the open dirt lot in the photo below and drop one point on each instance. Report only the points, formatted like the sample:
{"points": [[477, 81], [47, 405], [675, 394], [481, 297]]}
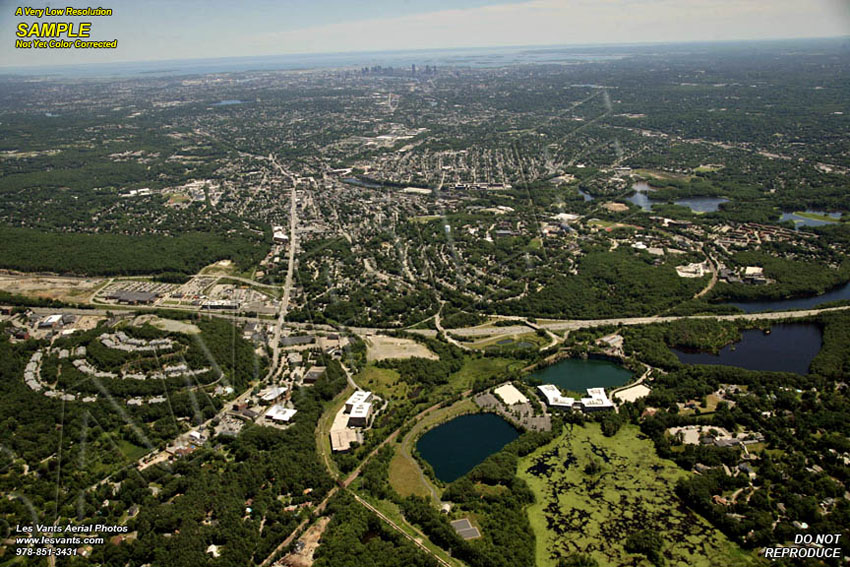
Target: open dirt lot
{"points": [[381, 347], [304, 557], [167, 324], [50, 287]]}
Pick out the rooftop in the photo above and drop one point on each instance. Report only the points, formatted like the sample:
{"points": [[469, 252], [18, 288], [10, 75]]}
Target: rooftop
{"points": [[510, 395], [554, 397]]}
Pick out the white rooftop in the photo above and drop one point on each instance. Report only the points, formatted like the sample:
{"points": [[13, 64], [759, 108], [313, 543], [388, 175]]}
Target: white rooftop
{"points": [[597, 399], [510, 395], [358, 397], [361, 410], [279, 413], [273, 393], [554, 396]]}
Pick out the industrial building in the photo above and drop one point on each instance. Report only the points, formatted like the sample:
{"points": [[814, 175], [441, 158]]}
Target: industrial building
{"points": [[358, 397], [359, 415]]}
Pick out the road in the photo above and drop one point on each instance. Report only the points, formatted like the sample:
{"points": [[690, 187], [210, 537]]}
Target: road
{"points": [[714, 273], [290, 270]]}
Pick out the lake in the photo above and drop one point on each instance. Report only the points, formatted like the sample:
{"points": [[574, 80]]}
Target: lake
{"points": [[455, 447], [578, 374], [841, 292], [788, 348], [697, 204], [702, 204]]}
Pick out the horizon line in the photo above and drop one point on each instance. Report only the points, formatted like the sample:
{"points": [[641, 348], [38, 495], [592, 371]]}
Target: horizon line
{"points": [[8, 69]]}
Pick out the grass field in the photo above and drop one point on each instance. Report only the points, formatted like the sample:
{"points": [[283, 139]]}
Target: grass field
{"points": [[323, 428], [130, 451], [578, 512], [383, 381], [532, 338], [474, 368], [405, 476], [664, 175], [817, 217]]}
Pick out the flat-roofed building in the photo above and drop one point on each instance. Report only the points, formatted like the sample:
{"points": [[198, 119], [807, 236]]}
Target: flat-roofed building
{"points": [[358, 397], [359, 414], [554, 398], [280, 414], [299, 340], [510, 395], [272, 394], [50, 321], [596, 400], [313, 374], [341, 439]]}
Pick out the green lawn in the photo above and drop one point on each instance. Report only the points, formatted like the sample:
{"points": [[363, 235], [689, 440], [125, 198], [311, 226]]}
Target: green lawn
{"points": [[323, 428], [383, 381], [815, 216], [578, 512], [474, 368], [130, 451], [405, 476]]}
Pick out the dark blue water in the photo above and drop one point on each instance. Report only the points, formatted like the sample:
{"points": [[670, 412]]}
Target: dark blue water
{"points": [[842, 292], [577, 374], [228, 102], [788, 348], [586, 196], [455, 447]]}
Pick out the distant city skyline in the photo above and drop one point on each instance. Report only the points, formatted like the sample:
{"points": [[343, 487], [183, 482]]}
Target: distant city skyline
{"points": [[158, 30]]}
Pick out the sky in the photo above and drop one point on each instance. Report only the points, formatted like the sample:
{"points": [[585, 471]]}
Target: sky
{"points": [[150, 30]]}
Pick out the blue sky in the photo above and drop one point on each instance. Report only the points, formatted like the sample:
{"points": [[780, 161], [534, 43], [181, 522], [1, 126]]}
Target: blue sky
{"points": [[160, 29]]}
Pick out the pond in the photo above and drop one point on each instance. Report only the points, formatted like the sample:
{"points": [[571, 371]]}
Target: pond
{"points": [[840, 292], [640, 197], [455, 447], [787, 348], [586, 196], [800, 220], [578, 374]]}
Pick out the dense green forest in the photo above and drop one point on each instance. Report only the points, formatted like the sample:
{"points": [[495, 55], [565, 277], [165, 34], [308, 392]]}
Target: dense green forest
{"points": [[233, 495], [115, 254], [356, 537], [799, 469]]}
